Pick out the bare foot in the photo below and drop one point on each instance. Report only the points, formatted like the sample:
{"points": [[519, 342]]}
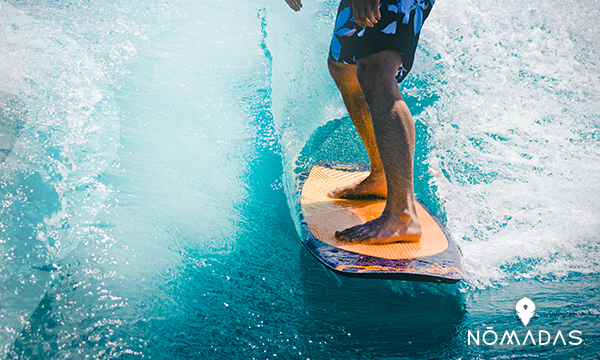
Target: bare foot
{"points": [[386, 229], [373, 186]]}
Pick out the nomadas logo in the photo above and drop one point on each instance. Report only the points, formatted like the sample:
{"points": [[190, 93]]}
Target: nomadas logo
{"points": [[525, 310]]}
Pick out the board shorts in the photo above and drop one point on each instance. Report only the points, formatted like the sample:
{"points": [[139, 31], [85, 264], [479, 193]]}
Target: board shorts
{"points": [[398, 29]]}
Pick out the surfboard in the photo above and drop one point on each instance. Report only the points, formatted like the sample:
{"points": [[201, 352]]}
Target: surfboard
{"points": [[436, 257]]}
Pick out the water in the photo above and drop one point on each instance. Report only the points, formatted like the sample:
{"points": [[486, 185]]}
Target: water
{"points": [[149, 152]]}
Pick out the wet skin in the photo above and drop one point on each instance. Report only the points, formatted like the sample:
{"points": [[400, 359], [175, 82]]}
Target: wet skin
{"points": [[374, 185], [386, 127]]}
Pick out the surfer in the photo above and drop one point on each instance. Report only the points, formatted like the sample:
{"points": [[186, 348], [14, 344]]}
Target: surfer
{"points": [[372, 50]]}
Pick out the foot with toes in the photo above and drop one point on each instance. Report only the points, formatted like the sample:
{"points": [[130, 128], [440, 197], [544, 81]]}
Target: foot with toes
{"points": [[386, 229]]}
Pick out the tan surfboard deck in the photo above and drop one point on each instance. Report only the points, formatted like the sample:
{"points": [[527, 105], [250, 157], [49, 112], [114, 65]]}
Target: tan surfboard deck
{"points": [[436, 257]]}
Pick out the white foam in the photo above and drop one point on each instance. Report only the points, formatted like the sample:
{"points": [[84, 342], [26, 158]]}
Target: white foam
{"points": [[514, 134]]}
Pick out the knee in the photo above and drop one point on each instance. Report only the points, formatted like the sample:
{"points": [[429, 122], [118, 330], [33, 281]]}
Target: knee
{"points": [[368, 76], [370, 79], [378, 70]]}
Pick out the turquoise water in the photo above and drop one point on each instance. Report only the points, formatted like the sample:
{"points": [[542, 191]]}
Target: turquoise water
{"points": [[149, 153]]}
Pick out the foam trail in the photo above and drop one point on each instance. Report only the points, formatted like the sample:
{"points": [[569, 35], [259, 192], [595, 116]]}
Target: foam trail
{"points": [[56, 125], [60, 130], [174, 119], [513, 135]]}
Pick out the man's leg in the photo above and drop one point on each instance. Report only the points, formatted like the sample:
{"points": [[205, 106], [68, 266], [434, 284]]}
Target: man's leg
{"points": [[395, 137], [345, 78]]}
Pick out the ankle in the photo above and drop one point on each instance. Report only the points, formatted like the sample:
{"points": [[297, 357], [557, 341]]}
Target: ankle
{"points": [[404, 212]]}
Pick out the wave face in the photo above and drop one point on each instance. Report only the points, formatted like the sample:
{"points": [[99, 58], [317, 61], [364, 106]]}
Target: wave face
{"points": [[149, 155]]}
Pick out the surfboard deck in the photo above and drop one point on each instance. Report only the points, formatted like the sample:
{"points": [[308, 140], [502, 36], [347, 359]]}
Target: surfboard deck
{"points": [[436, 257]]}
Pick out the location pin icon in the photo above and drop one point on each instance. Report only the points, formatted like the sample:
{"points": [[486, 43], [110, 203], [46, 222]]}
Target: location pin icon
{"points": [[525, 309]]}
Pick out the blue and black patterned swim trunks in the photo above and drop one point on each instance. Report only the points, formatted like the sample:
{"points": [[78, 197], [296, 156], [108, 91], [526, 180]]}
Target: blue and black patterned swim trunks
{"points": [[398, 29]]}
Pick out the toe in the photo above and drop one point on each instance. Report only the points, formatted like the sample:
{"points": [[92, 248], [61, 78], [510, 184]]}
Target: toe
{"points": [[365, 233], [346, 235]]}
